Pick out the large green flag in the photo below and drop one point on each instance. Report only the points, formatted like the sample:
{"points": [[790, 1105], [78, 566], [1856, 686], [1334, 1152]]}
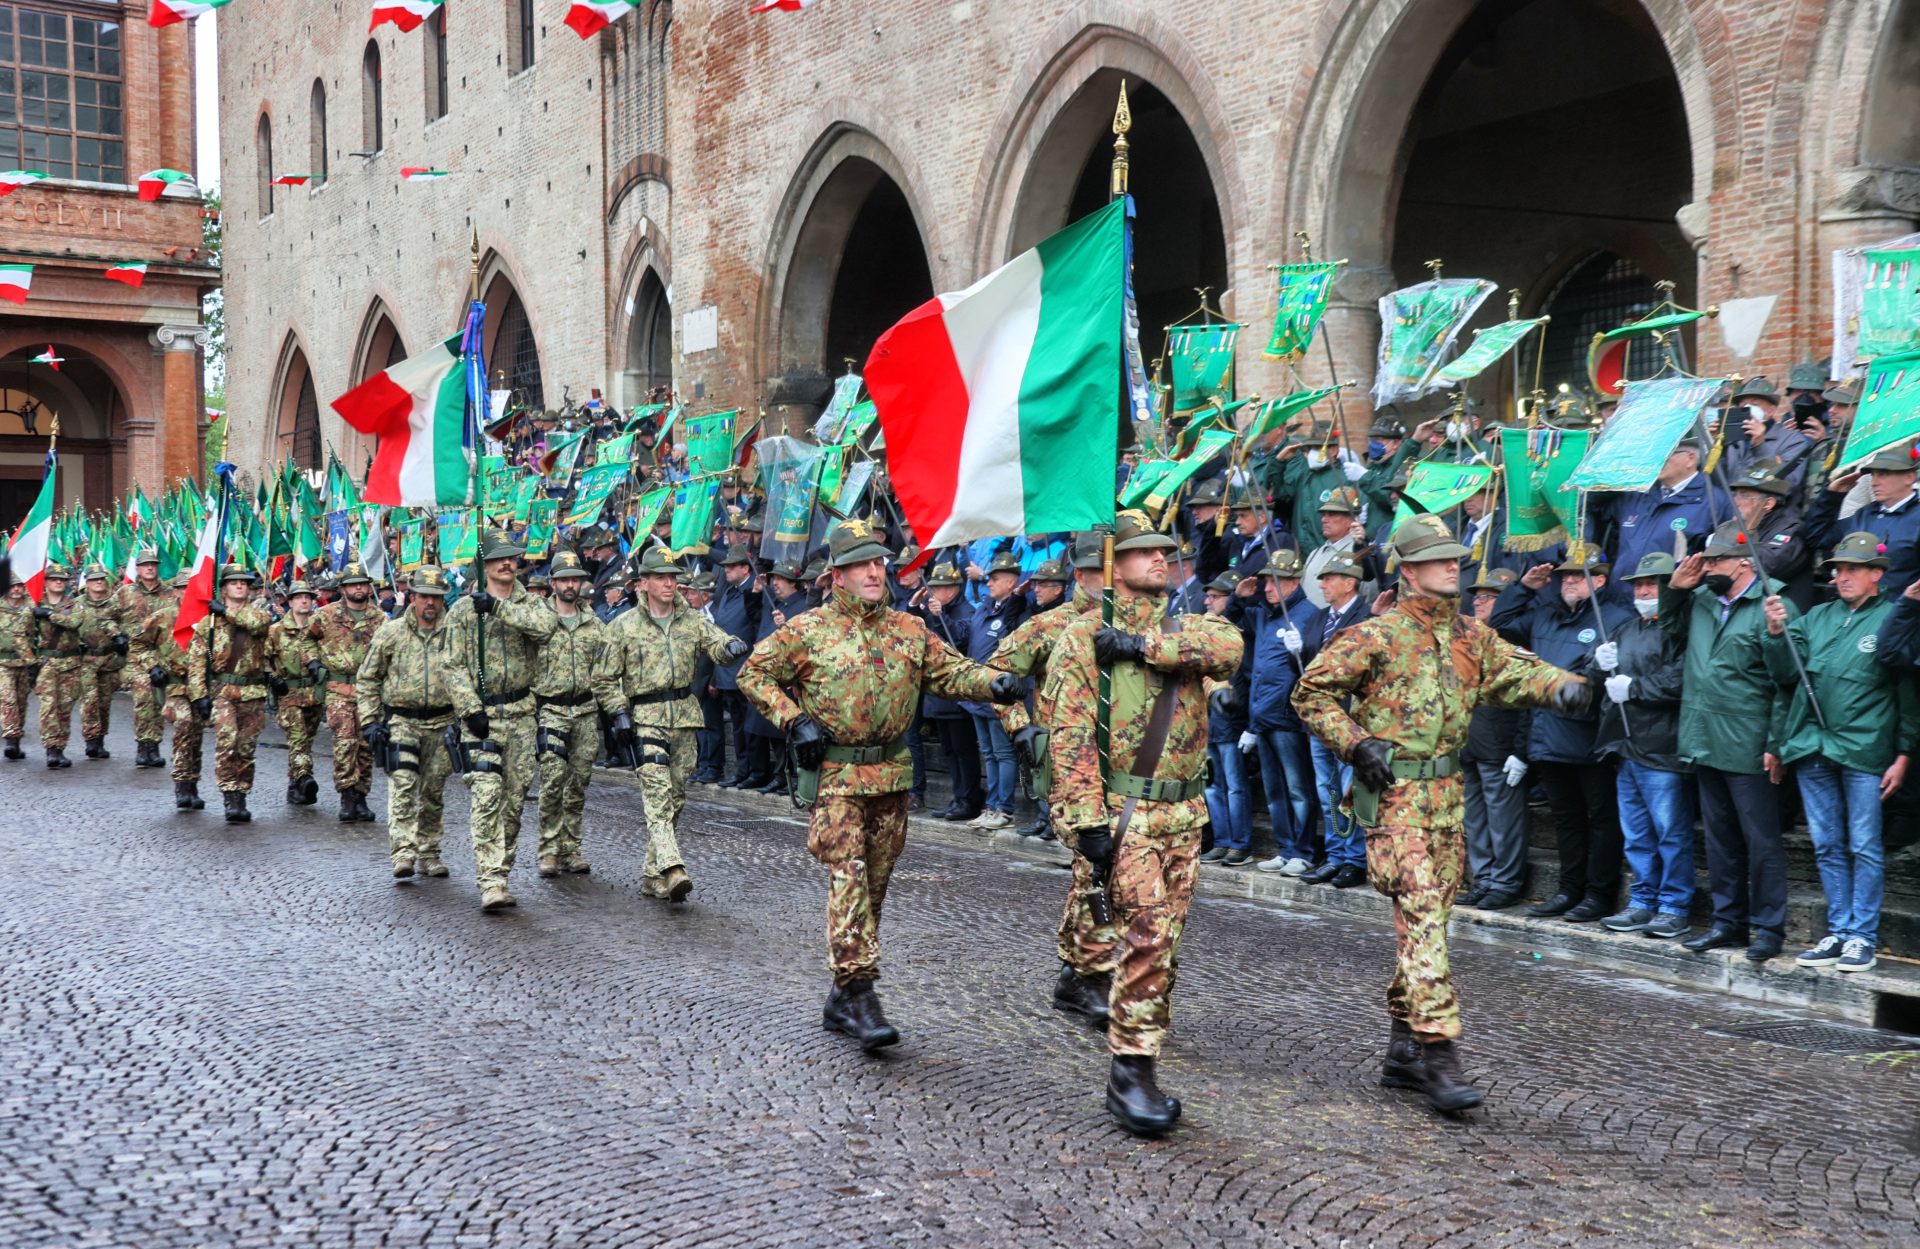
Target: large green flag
{"points": [[709, 443], [1299, 303], [1889, 412], [1890, 304], [1200, 358], [1417, 328], [1541, 507], [413, 545], [846, 392], [459, 537], [1641, 434], [1140, 483], [693, 516], [591, 493], [542, 518], [646, 509], [1439, 488], [1280, 411], [1488, 346], [1161, 490]]}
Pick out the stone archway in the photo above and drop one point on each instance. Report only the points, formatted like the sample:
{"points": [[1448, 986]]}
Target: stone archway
{"points": [[509, 343], [649, 353], [296, 411], [84, 394]]}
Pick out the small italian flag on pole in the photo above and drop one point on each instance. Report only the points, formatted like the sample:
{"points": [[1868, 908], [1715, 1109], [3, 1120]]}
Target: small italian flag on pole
{"points": [[589, 17], [418, 411], [414, 173], [154, 183], [167, 12], [406, 14], [202, 577], [28, 547], [132, 272], [1002, 403], [785, 6], [49, 359], [13, 179], [15, 282], [293, 179]]}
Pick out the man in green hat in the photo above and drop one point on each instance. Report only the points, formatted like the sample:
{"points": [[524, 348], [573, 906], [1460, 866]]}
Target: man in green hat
{"points": [[575, 677], [1893, 516], [1850, 754], [1340, 523], [138, 602], [291, 656], [407, 691], [1759, 430], [227, 683], [654, 650], [59, 649], [1775, 531], [842, 681], [18, 659], [1394, 696], [106, 642], [1134, 804], [494, 635], [342, 632]]}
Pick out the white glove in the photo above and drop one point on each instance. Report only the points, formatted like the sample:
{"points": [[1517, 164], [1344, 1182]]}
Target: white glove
{"points": [[1617, 688], [1516, 769], [1354, 469], [1607, 655], [1247, 742], [1290, 638]]}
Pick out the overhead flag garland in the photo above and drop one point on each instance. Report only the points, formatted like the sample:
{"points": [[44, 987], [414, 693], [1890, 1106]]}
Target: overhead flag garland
{"points": [[132, 272], [13, 179], [293, 179], [154, 183], [417, 173], [785, 6], [15, 282], [49, 359], [406, 14], [588, 18], [167, 12]]}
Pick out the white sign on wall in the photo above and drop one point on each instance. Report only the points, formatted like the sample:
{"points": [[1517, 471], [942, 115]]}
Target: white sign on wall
{"points": [[700, 330]]}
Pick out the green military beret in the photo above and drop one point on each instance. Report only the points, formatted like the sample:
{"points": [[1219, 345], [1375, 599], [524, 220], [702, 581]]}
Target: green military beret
{"points": [[430, 579], [855, 542], [1053, 571], [234, 572], [566, 564], [1283, 563], [499, 546], [1493, 577], [1424, 538], [944, 574], [657, 562], [1653, 564], [1807, 375], [1343, 565], [1728, 540], [353, 574], [1006, 561], [1132, 531], [1858, 548], [1896, 459]]}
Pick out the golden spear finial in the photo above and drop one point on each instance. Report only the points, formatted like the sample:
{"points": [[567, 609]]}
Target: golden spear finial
{"points": [[1122, 123]]}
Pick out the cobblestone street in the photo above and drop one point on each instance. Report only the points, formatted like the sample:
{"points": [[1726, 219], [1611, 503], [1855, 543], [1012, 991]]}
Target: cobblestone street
{"points": [[226, 1036]]}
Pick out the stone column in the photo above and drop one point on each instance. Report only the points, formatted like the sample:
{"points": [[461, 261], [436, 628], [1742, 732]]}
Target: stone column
{"points": [[178, 436]]}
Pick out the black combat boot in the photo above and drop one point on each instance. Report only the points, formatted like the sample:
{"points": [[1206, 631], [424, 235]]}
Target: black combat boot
{"points": [[57, 758], [367, 814], [237, 812], [1135, 1100], [13, 749], [184, 798], [1402, 1068], [349, 808], [295, 795], [855, 1010], [309, 791], [147, 755], [1446, 1089], [1083, 995], [97, 748]]}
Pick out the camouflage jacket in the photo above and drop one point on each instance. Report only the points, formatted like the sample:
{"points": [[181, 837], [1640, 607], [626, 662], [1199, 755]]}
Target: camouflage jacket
{"points": [[98, 624], [289, 647], [341, 638], [410, 670], [1025, 653], [578, 663], [57, 640], [649, 659], [238, 659], [17, 635], [515, 628], [154, 640], [858, 669], [138, 608], [1205, 646], [1403, 692]]}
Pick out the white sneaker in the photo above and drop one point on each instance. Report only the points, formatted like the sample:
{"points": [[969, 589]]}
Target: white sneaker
{"points": [[1001, 819], [1278, 863], [1856, 955], [1296, 867], [982, 820]]}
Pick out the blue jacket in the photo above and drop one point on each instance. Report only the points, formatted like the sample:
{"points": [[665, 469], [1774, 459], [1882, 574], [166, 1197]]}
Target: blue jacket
{"points": [[1314, 624], [1646, 522], [954, 626], [758, 724], [1565, 637], [1272, 669], [993, 622], [1898, 529], [736, 609]]}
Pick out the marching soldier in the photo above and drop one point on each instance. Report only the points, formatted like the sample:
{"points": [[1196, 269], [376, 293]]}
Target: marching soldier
{"points": [[341, 632], [59, 650], [575, 677], [18, 664], [106, 645], [169, 676], [842, 681], [1135, 804], [292, 660], [1413, 677], [494, 637], [227, 684], [138, 603], [407, 692], [655, 649]]}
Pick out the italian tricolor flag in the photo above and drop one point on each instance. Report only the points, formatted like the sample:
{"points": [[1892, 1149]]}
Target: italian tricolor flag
{"points": [[415, 173], [28, 546], [13, 179], [154, 183], [167, 12], [406, 14], [1001, 403], [15, 282], [292, 179], [201, 581], [787, 6], [418, 411], [589, 17], [140, 521], [132, 272], [49, 359]]}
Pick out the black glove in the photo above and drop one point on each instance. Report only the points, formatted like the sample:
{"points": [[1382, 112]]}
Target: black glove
{"points": [[316, 670], [1224, 700], [1572, 698], [374, 734], [1007, 688], [477, 725], [202, 708], [216, 608], [736, 650], [808, 742], [1095, 845], [1110, 645], [43, 613], [1023, 739], [1373, 764], [620, 729], [120, 643], [159, 676], [33, 673], [482, 603], [277, 686]]}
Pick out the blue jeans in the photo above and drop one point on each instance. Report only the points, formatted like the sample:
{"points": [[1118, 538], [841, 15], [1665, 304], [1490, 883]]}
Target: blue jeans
{"points": [[1286, 769], [1227, 804], [996, 761], [1346, 841], [1843, 817], [1656, 815]]}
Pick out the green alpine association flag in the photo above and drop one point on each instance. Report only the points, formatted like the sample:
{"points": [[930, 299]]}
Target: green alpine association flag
{"points": [[1141, 482], [647, 509], [1204, 421], [1211, 444], [1280, 411], [1299, 303], [859, 421], [591, 492], [1488, 346], [1200, 358], [1889, 412], [1642, 432], [542, 518], [693, 517], [459, 536], [1439, 488], [1890, 304], [709, 443], [846, 392], [615, 450], [1417, 328], [1541, 506]]}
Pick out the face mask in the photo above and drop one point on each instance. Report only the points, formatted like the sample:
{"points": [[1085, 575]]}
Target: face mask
{"points": [[1316, 459], [1647, 607], [1718, 582], [1456, 431], [1756, 413], [1376, 449]]}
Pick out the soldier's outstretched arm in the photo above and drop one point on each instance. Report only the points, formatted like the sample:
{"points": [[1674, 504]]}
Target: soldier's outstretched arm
{"points": [[1209, 645], [1336, 674], [527, 615], [251, 618], [713, 641], [777, 662], [949, 674], [1512, 678]]}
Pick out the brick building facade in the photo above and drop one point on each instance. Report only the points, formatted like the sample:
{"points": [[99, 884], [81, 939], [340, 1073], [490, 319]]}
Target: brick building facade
{"points": [[94, 99], [739, 203]]}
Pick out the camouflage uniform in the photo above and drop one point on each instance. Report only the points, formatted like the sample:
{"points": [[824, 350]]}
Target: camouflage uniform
{"points": [[233, 649], [408, 682], [17, 657], [290, 647], [342, 636], [59, 647], [575, 678], [138, 606], [188, 729], [106, 640]]}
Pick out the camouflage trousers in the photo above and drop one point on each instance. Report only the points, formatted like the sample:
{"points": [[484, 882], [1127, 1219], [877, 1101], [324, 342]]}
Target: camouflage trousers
{"points": [[352, 757], [416, 788], [1151, 887], [58, 686], [97, 684], [237, 724], [857, 838], [14, 689], [1085, 946], [1420, 870], [667, 757], [187, 733], [148, 724], [300, 721], [566, 767], [498, 794]]}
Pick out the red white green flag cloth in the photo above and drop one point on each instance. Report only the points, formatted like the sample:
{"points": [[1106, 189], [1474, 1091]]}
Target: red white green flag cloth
{"points": [[49, 359], [13, 179], [1001, 403], [418, 411], [293, 179], [417, 173], [154, 183], [785, 6], [132, 272], [140, 521], [406, 14], [15, 282], [167, 12], [202, 584], [28, 546], [589, 17]]}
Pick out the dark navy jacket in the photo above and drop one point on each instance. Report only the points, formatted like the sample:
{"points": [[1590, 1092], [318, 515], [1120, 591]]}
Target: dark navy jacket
{"points": [[1315, 623], [993, 623], [1273, 669], [1565, 637], [791, 608], [1647, 522], [736, 609], [954, 626], [1898, 530]]}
